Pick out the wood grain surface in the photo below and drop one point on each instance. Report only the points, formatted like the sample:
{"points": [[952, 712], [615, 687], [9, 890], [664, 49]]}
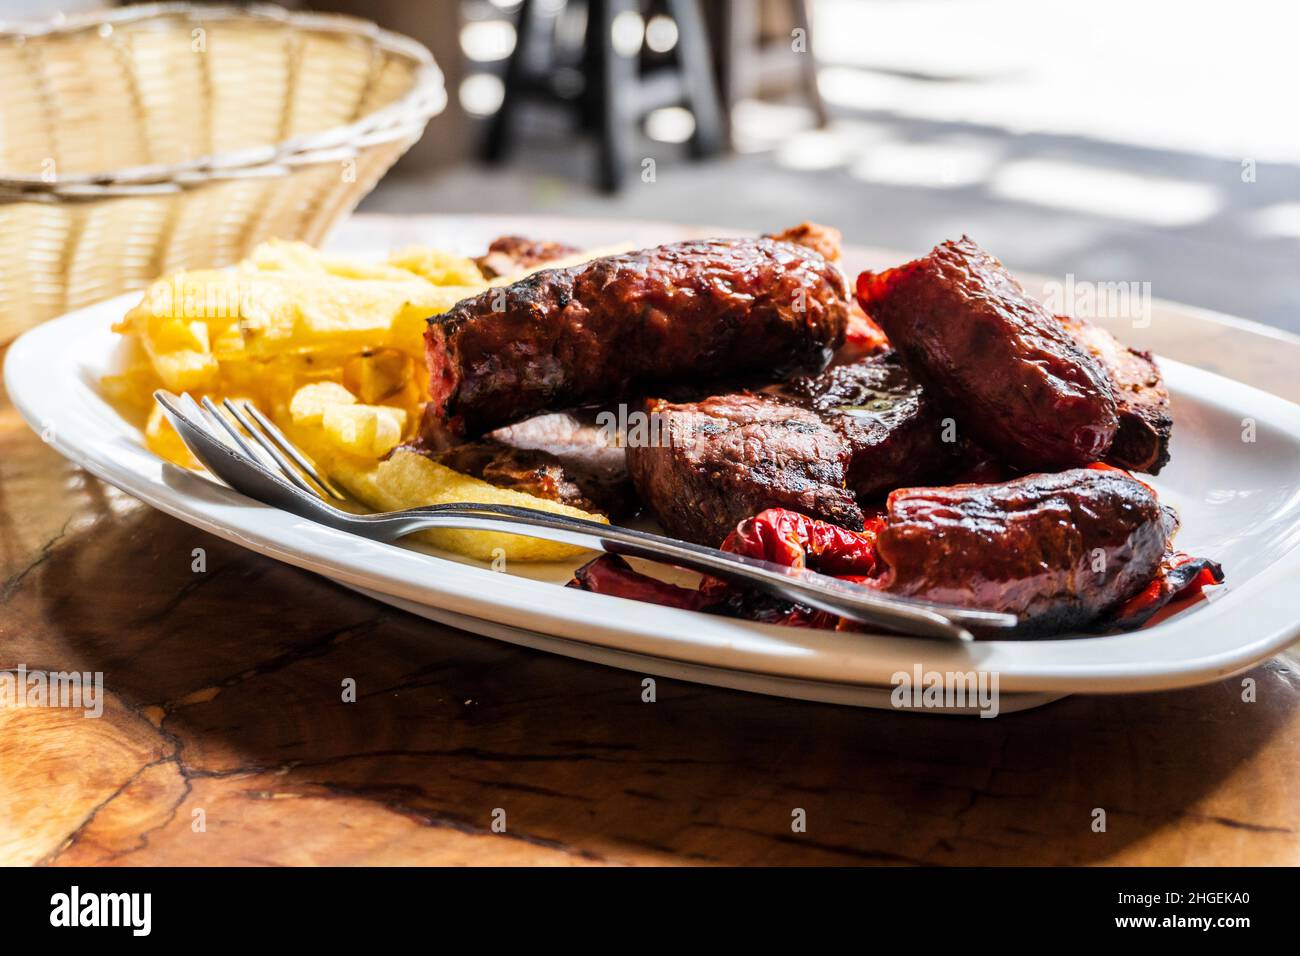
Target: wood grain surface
{"points": [[224, 737]]}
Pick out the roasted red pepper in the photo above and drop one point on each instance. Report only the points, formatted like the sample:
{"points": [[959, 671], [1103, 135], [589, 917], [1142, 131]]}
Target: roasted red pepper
{"points": [[794, 540], [611, 574], [797, 541], [862, 337], [783, 537], [1181, 578]]}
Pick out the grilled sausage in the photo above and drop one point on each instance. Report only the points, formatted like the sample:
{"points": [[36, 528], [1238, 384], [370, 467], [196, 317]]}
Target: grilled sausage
{"points": [[683, 311], [997, 361], [1057, 550]]}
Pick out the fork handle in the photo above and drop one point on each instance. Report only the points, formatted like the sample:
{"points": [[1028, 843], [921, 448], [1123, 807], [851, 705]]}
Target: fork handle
{"points": [[235, 462], [795, 584]]}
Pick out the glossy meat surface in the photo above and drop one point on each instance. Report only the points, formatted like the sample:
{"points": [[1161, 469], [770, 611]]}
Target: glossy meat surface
{"points": [[1141, 398], [812, 445], [894, 434], [826, 241], [721, 460], [997, 361], [1056, 549], [678, 312]]}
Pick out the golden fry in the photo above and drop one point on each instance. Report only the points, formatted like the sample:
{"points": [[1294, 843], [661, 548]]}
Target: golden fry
{"points": [[333, 350]]}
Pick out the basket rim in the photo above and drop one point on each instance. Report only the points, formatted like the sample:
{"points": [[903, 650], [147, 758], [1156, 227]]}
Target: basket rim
{"points": [[403, 118]]}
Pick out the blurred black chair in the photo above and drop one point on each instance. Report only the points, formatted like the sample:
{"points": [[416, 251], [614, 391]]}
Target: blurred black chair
{"points": [[763, 47], [610, 93]]}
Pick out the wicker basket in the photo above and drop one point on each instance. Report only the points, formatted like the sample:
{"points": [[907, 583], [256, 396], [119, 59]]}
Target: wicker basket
{"points": [[149, 139]]}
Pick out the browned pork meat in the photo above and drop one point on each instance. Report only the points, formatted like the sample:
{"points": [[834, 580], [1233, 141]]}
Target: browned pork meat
{"points": [[684, 311], [510, 254], [820, 445], [1145, 424], [1057, 550], [823, 240], [997, 361], [563, 456], [711, 463], [894, 434]]}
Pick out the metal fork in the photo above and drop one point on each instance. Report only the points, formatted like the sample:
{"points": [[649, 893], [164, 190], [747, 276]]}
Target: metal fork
{"points": [[245, 449]]}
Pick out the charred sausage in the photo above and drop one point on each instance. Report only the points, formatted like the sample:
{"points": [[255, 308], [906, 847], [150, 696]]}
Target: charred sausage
{"points": [[997, 361], [683, 311], [1057, 550]]}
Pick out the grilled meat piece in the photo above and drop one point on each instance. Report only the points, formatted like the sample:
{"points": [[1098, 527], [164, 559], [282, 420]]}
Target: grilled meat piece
{"points": [[1058, 550], [563, 337], [892, 429], [1145, 424], [564, 456], [718, 461], [510, 254], [1002, 521], [533, 472], [993, 358], [863, 337], [811, 445], [823, 240]]}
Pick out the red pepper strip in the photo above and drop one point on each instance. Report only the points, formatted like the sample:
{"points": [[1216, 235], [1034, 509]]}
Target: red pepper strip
{"points": [[862, 337], [1181, 577], [797, 541], [782, 537], [611, 574]]}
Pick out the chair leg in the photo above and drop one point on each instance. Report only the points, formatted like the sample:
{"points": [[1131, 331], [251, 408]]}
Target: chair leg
{"points": [[617, 77], [734, 30], [808, 65], [697, 71], [496, 144]]}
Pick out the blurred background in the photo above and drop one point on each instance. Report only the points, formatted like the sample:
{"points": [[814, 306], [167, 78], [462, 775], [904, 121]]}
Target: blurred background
{"points": [[1118, 141]]}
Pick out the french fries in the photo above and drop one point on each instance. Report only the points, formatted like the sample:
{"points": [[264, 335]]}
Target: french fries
{"points": [[333, 350], [286, 317]]}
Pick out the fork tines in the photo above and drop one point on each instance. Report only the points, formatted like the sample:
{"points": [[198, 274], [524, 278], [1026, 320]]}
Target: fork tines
{"points": [[278, 453]]}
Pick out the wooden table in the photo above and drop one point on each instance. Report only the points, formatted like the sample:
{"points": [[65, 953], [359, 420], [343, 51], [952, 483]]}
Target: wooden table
{"points": [[223, 739]]}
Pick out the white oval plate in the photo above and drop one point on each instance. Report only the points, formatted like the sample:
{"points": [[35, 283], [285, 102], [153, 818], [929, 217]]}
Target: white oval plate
{"points": [[1240, 504]]}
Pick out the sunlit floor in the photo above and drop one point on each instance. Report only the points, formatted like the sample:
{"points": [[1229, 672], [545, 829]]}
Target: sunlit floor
{"points": [[1105, 144]]}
